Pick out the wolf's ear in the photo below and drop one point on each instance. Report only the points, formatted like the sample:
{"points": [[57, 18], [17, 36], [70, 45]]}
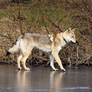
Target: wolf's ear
{"points": [[69, 30], [73, 30]]}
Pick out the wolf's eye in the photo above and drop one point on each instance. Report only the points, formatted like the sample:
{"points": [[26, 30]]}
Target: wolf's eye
{"points": [[72, 36]]}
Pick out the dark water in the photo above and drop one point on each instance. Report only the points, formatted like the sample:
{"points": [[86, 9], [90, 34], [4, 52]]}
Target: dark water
{"points": [[42, 79]]}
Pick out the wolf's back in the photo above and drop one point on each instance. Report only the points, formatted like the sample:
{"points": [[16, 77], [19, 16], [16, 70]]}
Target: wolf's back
{"points": [[15, 47]]}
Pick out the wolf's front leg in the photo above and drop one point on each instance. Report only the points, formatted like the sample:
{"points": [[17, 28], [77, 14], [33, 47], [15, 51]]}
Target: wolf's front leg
{"points": [[55, 54], [52, 63], [24, 62]]}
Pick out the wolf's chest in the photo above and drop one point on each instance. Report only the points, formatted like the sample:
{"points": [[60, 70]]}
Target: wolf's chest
{"points": [[60, 46]]}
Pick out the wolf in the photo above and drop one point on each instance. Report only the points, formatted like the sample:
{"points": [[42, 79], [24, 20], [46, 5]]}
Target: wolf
{"points": [[52, 44]]}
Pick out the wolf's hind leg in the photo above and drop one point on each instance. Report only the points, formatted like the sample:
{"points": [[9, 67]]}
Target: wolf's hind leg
{"points": [[24, 62], [52, 63], [18, 61]]}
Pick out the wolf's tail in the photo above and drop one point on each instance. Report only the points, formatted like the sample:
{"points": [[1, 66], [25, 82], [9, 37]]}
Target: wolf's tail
{"points": [[15, 47]]}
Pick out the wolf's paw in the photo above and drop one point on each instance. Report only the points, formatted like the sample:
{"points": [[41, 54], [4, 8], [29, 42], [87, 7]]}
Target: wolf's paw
{"points": [[55, 69], [63, 70], [19, 68], [27, 69]]}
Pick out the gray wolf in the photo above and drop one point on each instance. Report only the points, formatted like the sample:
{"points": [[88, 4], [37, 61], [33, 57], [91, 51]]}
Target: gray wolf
{"points": [[52, 44]]}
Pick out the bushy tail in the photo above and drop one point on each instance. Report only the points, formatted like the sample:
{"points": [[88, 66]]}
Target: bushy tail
{"points": [[15, 48]]}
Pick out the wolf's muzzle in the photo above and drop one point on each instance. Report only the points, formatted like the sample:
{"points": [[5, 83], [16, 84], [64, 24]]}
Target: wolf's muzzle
{"points": [[77, 42], [72, 42]]}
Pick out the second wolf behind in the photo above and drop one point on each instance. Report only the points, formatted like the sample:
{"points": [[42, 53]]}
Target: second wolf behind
{"points": [[28, 41]]}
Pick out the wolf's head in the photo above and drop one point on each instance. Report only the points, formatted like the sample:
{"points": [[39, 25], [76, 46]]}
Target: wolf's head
{"points": [[69, 35]]}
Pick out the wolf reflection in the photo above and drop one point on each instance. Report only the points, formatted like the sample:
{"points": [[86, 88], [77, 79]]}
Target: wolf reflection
{"points": [[50, 82], [23, 81], [55, 81]]}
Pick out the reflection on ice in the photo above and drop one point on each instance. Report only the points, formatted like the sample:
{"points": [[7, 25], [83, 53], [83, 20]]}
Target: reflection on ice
{"points": [[55, 81], [42, 79]]}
